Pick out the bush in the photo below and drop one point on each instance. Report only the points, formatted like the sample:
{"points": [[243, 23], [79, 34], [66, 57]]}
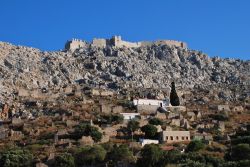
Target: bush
{"points": [[90, 155], [151, 156], [195, 145], [88, 130], [112, 119], [243, 139], [155, 121], [149, 130], [241, 152], [122, 154], [16, 157], [219, 117], [133, 125], [64, 160]]}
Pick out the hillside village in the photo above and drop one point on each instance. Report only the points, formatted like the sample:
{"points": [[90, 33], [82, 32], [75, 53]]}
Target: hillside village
{"points": [[50, 118]]}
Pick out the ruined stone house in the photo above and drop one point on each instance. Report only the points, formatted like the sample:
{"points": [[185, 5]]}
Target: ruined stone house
{"points": [[175, 136]]}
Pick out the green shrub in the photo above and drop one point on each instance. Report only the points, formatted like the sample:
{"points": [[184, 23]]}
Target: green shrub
{"points": [[155, 121], [16, 157], [149, 130], [195, 145], [64, 160]]}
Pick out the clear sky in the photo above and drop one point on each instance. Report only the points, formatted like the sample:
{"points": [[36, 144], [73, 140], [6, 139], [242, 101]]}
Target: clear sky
{"points": [[216, 27]]}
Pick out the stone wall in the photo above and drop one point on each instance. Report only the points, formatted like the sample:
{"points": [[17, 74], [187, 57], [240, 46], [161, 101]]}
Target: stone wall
{"points": [[175, 136], [118, 42], [74, 44], [147, 109], [99, 42], [165, 42]]}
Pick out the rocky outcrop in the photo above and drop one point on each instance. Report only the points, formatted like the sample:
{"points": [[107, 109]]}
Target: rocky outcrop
{"points": [[154, 66]]}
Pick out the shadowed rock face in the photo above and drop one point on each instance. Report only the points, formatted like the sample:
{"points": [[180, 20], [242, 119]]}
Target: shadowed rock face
{"points": [[148, 66]]}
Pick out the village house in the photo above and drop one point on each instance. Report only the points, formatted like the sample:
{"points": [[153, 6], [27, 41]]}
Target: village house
{"points": [[202, 136], [176, 109], [184, 123], [238, 109], [221, 108], [16, 135], [148, 141], [175, 136], [130, 116], [149, 106], [191, 116], [176, 122]]}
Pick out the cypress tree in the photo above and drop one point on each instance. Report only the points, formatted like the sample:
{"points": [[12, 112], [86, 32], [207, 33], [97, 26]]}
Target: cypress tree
{"points": [[174, 99]]}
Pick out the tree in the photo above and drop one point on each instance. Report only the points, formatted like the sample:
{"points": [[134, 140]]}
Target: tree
{"points": [[155, 121], [16, 157], [88, 130], [96, 135], [151, 156], [112, 119], [122, 154], [133, 125], [194, 146], [64, 160], [90, 155], [174, 99], [117, 119], [149, 130], [241, 152]]}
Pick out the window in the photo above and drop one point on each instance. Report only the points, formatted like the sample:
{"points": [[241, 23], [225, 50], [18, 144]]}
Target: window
{"points": [[166, 137], [182, 138], [177, 138], [186, 137], [171, 138]]}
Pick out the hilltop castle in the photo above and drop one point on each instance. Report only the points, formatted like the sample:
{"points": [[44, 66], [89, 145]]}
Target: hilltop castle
{"points": [[118, 42]]}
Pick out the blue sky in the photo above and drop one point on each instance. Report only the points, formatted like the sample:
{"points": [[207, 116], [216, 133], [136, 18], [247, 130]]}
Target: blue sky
{"points": [[216, 27]]}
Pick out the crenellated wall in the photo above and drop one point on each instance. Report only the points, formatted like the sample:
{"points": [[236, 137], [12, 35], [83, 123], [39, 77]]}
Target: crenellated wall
{"points": [[118, 42], [74, 44], [99, 42], [165, 42]]}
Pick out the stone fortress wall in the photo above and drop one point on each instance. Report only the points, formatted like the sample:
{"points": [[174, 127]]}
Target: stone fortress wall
{"points": [[74, 44], [166, 42], [118, 42]]}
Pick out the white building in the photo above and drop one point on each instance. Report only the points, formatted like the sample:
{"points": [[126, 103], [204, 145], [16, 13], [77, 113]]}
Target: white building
{"points": [[129, 116], [153, 102], [150, 106], [148, 141]]}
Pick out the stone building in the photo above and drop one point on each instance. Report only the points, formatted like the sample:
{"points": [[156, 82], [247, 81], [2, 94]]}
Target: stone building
{"points": [[130, 116], [221, 108], [149, 106], [74, 44], [117, 41], [175, 136], [148, 141]]}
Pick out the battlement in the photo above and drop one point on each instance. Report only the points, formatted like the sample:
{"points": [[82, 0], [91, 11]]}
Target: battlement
{"points": [[166, 42], [74, 44], [118, 42]]}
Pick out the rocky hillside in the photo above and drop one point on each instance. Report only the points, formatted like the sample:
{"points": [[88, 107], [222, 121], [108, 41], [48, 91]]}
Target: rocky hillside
{"points": [[115, 68]]}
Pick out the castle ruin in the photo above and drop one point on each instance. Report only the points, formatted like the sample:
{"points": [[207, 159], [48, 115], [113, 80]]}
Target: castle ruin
{"points": [[117, 41], [74, 44]]}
